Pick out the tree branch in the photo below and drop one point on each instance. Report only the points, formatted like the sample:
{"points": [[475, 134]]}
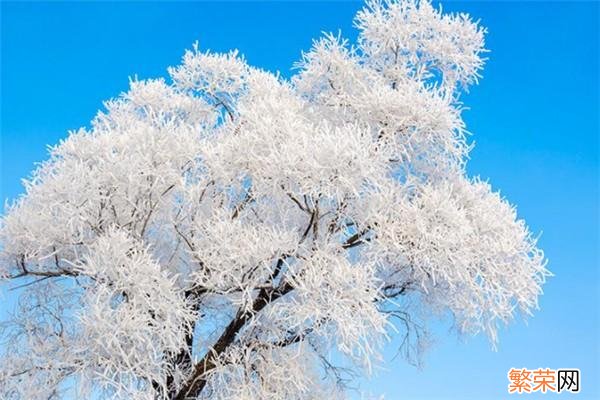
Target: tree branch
{"points": [[197, 381]]}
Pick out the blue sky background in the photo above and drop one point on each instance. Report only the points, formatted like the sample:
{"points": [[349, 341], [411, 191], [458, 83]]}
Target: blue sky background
{"points": [[534, 118]]}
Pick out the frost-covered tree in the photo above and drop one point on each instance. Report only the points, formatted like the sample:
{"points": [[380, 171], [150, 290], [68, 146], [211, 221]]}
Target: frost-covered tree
{"points": [[229, 234]]}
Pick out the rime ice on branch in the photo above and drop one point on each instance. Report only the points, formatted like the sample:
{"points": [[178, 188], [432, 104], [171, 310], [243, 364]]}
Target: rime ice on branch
{"points": [[217, 235]]}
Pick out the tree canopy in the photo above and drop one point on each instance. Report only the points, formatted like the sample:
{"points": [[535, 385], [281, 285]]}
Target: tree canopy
{"points": [[219, 234]]}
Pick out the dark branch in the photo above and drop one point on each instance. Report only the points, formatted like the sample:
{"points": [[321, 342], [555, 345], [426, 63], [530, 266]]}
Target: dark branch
{"points": [[197, 381]]}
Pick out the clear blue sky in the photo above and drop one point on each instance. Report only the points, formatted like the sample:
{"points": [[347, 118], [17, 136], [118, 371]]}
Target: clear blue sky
{"points": [[534, 118]]}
